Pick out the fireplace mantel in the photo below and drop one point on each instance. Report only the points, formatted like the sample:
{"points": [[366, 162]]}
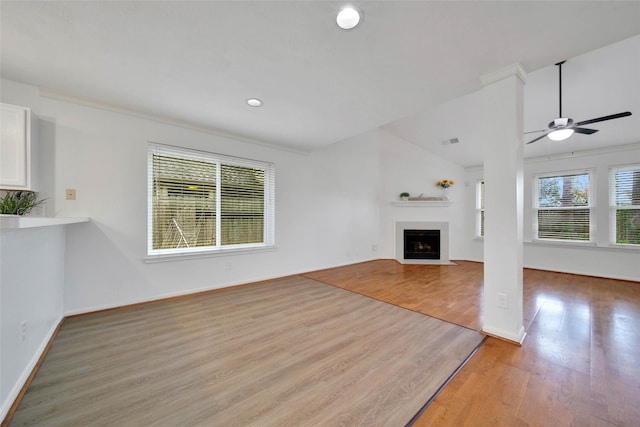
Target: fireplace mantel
{"points": [[423, 203]]}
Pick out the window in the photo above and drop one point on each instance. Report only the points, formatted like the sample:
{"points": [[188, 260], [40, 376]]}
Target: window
{"points": [[563, 207], [480, 209], [206, 202], [624, 185]]}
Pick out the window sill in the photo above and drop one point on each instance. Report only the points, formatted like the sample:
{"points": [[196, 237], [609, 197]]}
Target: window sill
{"points": [[150, 259], [585, 245]]}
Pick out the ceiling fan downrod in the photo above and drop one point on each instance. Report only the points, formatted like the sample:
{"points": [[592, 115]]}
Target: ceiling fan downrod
{"points": [[559, 64]]}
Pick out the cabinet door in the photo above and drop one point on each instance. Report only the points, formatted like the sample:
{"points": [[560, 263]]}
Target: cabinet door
{"points": [[15, 148]]}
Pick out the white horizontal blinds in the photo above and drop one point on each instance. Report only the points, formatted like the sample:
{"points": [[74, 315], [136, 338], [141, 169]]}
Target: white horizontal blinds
{"points": [[247, 202], [563, 203], [242, 205], [204, 201], [625, 197], [184, 202]]}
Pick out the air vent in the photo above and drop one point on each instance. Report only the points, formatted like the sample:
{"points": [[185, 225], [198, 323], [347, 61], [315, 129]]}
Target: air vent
{"points": [[450, 141]]}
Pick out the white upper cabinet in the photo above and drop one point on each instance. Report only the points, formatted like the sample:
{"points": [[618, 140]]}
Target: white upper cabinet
{"points": [[15, 148]]}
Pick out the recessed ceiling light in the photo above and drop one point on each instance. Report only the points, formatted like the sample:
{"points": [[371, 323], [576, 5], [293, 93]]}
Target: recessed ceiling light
{"points": [[254, 102], [348, 18]]}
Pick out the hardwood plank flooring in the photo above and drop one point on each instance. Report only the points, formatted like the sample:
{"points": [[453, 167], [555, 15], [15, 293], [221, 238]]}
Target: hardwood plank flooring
{"points": [[579, 365], [287, 352]]}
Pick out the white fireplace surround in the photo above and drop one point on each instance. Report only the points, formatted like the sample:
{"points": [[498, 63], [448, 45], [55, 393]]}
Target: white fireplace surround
{"points": [[444, 241]]}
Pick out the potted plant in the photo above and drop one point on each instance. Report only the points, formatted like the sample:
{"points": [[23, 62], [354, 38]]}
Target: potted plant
{"points": [[404, 196], [19, 202]]}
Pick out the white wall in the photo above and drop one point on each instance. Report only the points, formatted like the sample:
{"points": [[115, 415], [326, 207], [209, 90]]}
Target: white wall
{"points": [[407, 167], [599, 260], [326, 204], [31, 291], [332, 207]]}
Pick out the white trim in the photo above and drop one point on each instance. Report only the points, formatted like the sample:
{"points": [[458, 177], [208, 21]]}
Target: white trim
{"points": [[423, 203], [444, 242], [157, 255], [518, 337], [195, 291], [589, 246], [151, 259], [560, 156], [501, 74], [560, 242], [22, 380], [613, 205], [59, 96], [535, 207]]}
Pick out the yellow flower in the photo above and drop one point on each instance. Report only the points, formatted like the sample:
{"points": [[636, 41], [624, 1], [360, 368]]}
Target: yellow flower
{"points": [[445, 183]]}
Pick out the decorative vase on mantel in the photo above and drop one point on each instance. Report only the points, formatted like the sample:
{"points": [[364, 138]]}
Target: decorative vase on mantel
{"points": [[445, 193], [444, 185]]}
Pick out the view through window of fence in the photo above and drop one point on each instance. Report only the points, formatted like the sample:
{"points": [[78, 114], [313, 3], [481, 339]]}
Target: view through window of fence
{"points": [[200, 202]]}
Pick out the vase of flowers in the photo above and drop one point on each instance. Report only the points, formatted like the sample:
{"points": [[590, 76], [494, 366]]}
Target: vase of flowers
{"points": [[444, 185]]}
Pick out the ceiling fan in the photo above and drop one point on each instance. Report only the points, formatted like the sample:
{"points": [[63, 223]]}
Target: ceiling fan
{"points": [[563, 127]]}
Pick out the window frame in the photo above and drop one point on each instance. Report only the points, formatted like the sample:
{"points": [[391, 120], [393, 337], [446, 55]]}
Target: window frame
{"points": [[591, 207], [613, 206], [268, 241], [479, 209]]}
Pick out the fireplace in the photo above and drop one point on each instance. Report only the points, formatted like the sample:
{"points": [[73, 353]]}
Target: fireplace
{"points": [[421, 244], [427, 242]]}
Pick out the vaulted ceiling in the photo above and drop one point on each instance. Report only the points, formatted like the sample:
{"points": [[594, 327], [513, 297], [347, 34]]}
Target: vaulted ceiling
{"points": [[411, 68]]}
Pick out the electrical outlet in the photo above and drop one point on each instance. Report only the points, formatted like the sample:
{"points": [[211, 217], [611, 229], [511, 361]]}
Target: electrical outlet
{"points": [[229, 265], [70, 193], [374, 248], [503, 300]]}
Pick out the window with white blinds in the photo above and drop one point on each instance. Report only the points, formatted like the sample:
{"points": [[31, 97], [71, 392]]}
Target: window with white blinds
{"points": [[480, 209], [563, 207], [624, 202], [202, 201]]}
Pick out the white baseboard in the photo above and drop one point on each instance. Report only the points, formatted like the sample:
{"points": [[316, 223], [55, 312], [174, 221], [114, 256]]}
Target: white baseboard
{"points": [[22, 380], [517, 337], [119, 304]]}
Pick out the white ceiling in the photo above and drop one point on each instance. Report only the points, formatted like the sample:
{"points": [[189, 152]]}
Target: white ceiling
{"points": [[411, 68]]}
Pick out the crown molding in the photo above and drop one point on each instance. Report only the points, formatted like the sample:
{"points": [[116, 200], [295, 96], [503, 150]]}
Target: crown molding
{"points": [[568, 155], [86, 102], [508, 71]]}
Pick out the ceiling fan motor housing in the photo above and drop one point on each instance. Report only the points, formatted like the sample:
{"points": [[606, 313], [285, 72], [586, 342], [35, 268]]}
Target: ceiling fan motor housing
{"points": [[560, 122]]}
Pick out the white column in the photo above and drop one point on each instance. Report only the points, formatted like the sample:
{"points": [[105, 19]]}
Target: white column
{"points": [[503, 177]]}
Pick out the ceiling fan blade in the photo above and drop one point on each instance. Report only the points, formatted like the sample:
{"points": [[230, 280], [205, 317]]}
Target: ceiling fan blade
{"points": [[538, 138], [535, 131], [602, 119], [585, 131]]}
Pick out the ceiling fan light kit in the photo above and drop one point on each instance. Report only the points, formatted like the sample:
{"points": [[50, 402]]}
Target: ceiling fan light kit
{"points": [[563, 127], [560, 134]]}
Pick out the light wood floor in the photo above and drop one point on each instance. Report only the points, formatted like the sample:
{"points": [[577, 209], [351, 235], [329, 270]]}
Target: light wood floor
{"points": [[579, 365], [287, 352]]}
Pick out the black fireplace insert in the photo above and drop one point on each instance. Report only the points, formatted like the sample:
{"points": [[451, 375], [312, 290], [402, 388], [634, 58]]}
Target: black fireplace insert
{"points": [[421, 244]]}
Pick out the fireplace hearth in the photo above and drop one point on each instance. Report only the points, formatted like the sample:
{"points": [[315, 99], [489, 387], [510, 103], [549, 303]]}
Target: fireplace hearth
{"points": [[421, 244]]}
